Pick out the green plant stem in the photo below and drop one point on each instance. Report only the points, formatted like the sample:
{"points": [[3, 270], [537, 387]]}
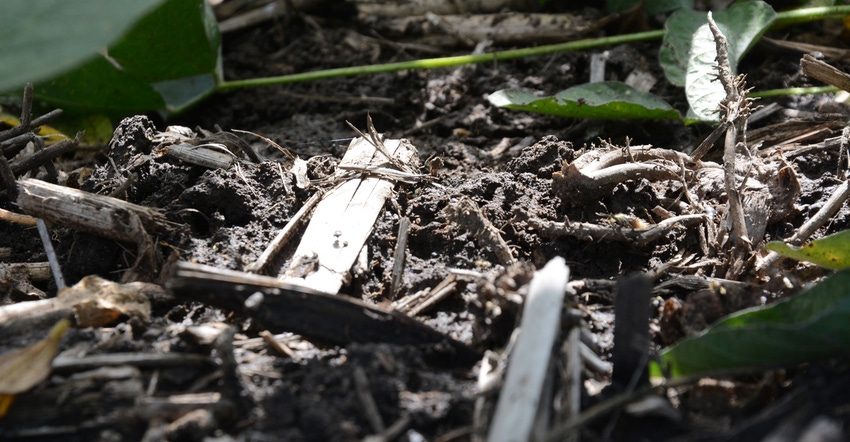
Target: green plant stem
{"points": [[793, 91], [444, 62], [782, 19], [786, 18]]}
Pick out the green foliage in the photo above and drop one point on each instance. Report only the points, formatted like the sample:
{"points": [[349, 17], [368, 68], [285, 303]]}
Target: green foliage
{"points": [[651, 7], [593, 100], [689, 51], [687, 57], [43, 38], [169, 59], [832, 252], [810, 326], [742, 24]]}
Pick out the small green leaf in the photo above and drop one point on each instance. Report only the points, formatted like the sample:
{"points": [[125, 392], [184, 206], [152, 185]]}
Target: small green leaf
{"points": [[42, 38], [810, 326], [594, 100], [688, 52], [167, 61], [832, 252]]}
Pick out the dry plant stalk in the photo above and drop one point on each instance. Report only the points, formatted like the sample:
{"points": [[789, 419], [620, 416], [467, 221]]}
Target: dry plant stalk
{"points": [[597, 172], [824, 72], [98, 214], [735, 109], [468, 216]]}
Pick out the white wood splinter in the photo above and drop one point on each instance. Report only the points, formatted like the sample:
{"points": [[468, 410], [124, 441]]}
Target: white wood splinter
{"points": [[344, 218], [519, 401]]}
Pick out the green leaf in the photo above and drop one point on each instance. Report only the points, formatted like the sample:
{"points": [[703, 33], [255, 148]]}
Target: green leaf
{"points": [[42, 38], [78, 92], [608, 99], [653, 7], [832, 252], [167, 61], [664, 6], [676, 44], [688, 52], [98, 128], [810, 326], [615, 6]]}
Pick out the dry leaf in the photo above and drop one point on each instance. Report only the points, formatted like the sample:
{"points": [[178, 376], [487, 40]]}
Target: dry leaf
{"points": [[98, 302], [22, 369]]}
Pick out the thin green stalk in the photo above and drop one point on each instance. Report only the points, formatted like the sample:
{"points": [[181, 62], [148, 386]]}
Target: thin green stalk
{"points": [[793, 91], [782, 19], [443, 62], [804, 15]]}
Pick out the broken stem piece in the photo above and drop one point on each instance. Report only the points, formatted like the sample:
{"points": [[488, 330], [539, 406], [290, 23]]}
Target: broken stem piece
{"points": [[17, 218], [597, 172], [468, 216], [399, 256], [310, 313], [596, 232], [51, 254], [364, 394], [102, 215], [40, 157], [98, 214], [26, 106], [735, 110], [825, 72], [442, 291], [284, 235], [21, 129]]}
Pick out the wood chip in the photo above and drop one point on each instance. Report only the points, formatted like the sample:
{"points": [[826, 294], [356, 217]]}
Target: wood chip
{"points": [[343, 220]]}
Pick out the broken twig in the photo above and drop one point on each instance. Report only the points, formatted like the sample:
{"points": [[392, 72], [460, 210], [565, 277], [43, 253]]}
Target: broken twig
{"points": [[596, 232], [735, 110], [280, 306], [376, 140], [468, 216], [51, 254], [283, 237]]}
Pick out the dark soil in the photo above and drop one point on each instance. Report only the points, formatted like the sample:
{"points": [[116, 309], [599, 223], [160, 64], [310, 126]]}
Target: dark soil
{"points": [[503, 161]]}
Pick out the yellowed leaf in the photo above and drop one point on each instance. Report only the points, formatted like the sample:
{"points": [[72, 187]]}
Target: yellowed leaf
{"points": [[832, 252], [53, 135], [24, 368], [6, 402]]}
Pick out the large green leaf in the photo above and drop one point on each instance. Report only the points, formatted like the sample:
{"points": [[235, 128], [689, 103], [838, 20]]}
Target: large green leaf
{"points": [[688, 52], [167, 61], [42, 38], [607, 99], [811, 326], [832, 252], [653, 7], [676, 45]]}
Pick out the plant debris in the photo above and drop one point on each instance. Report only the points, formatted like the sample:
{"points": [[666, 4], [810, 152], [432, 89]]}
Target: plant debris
{"points": [[408, 328]]}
